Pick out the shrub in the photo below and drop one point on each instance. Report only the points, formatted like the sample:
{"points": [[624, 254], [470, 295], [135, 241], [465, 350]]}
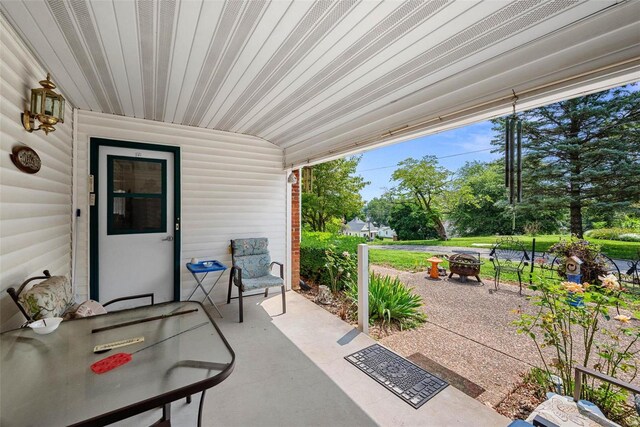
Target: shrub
{"points": [[342, 269], [598, 225], [622, 234], [565, 327], [532, 228], [313, 253], [629, 221], [594, 265], [391, 301], [320, 240]]}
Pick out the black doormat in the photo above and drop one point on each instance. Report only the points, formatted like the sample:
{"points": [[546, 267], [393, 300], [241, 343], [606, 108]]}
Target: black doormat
{"points": [[406, 380], [466, 386]]}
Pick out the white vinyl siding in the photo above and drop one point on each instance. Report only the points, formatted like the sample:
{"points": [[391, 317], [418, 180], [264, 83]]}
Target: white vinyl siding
{"points": [[35, 210], [233, 186]]}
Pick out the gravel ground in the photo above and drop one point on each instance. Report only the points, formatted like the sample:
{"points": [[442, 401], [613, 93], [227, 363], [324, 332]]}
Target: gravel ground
{"points": [[469, 331]]}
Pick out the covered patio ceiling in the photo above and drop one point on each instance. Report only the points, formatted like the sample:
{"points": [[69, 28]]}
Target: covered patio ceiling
{"points": [[322, 79]]}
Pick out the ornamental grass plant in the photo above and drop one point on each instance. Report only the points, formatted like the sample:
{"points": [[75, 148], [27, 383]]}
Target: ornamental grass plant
{"points": [[391, 301]]}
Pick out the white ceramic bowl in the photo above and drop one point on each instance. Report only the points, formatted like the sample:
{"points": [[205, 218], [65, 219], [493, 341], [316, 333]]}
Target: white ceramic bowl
{"points": [[207, 263], [45, 326]]}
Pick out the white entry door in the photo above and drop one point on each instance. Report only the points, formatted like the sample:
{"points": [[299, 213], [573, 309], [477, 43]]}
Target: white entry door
{"points": [[135, 223]]}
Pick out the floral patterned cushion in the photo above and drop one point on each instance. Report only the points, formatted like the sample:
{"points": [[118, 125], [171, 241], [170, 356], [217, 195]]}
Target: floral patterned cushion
{"points": [[89, 308], [255, 246], [262, 282], [49, 298], [253, 266]]}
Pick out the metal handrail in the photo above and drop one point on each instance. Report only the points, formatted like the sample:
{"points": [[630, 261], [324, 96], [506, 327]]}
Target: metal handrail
{"points": [[581, 370]]}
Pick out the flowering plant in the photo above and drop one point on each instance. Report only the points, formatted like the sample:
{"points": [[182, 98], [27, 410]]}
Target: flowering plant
{"points": [[567, 334], [342, 269], [576, 288], [610, 282]]}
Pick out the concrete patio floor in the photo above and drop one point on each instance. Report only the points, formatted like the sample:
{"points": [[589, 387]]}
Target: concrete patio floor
{"points": [[290, 370]]}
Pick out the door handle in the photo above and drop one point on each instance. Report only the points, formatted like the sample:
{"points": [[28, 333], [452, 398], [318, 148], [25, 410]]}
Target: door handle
{"points": [[168, 239]]}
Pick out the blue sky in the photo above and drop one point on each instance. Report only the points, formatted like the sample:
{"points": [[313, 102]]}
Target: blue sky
{"points": [[378, 165]]}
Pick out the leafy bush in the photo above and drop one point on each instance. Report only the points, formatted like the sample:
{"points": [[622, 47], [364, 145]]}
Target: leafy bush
{"points": [[391, 301], [565, 327], [314, 257], [622, 234], [342, 269], [594, 265], [532, 228], [629, 221], [320, 240], [598, 225]]}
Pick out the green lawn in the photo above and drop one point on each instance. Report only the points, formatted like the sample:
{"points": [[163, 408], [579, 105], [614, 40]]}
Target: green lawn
{"points": [[613, 248], [417, 261]]}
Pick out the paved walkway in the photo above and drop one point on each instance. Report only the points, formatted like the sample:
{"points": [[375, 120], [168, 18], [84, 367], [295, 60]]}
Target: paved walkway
{"points": [[290, 371], [460, 316], [470, 331]]}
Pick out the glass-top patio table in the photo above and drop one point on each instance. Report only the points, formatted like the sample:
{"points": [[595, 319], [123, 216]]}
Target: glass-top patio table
{"points": [[47, 379]]}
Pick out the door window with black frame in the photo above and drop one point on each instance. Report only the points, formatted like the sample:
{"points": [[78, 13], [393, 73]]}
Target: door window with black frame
{"points": [[137, 195]]}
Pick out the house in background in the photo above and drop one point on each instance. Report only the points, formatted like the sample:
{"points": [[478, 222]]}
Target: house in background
{"points": [[357, 227], [387, 232], [360, 228]]}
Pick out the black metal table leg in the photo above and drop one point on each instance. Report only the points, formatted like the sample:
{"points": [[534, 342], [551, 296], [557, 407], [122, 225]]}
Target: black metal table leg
{"points": [[200, 408]]}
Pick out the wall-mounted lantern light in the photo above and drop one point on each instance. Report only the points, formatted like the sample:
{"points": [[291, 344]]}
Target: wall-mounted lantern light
{"points": [[46, 105]]}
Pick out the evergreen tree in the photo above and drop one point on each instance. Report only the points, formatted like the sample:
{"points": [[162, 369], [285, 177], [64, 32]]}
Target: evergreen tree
{"points": [[582, 153]]}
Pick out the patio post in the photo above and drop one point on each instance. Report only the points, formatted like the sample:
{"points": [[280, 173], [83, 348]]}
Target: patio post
{"points": [[363, 288]]}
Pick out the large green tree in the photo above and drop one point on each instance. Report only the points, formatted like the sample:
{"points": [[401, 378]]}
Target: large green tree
{"points": [[334, 193], [379, 209], [411, 223], [425, 183], [479, 205], [583, 153], [479, 208]]}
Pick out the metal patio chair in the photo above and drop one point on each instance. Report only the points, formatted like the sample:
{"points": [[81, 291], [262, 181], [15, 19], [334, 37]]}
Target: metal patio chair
{"points": [[548, 264], [251, 270], [53, 297], [630, 276], [508, 255]]}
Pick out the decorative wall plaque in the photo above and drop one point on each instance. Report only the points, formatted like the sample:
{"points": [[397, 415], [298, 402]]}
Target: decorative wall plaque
{"points": [[25, 159]]}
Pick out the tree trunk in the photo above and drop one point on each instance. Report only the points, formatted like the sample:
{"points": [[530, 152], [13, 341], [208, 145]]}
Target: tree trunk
{"points": [[442, 233], [575, 210], [575, 180]]}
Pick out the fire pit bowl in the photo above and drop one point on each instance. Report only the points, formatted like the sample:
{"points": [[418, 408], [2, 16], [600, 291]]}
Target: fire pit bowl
{"points": [[464, 265]]}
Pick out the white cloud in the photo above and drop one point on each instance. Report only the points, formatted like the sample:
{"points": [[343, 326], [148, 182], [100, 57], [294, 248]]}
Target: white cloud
{"points": [[475, 141]]}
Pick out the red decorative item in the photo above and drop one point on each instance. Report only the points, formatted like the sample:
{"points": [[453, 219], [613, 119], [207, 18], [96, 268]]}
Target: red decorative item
{"points": [[112, 362], [109, 363]]}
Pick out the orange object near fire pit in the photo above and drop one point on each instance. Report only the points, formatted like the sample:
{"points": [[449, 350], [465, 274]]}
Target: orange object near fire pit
{"points": [[433, 273]]}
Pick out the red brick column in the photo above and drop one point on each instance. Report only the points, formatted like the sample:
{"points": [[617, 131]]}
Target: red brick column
{"points": [[295, 232]]}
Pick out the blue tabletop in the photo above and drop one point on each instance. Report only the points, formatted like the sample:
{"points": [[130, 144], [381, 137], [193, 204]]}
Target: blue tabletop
{"points": [[206, 266]]}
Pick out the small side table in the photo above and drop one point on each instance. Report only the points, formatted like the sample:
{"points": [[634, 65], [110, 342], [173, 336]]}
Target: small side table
{"points": [[204, 268], [434, 273]]}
